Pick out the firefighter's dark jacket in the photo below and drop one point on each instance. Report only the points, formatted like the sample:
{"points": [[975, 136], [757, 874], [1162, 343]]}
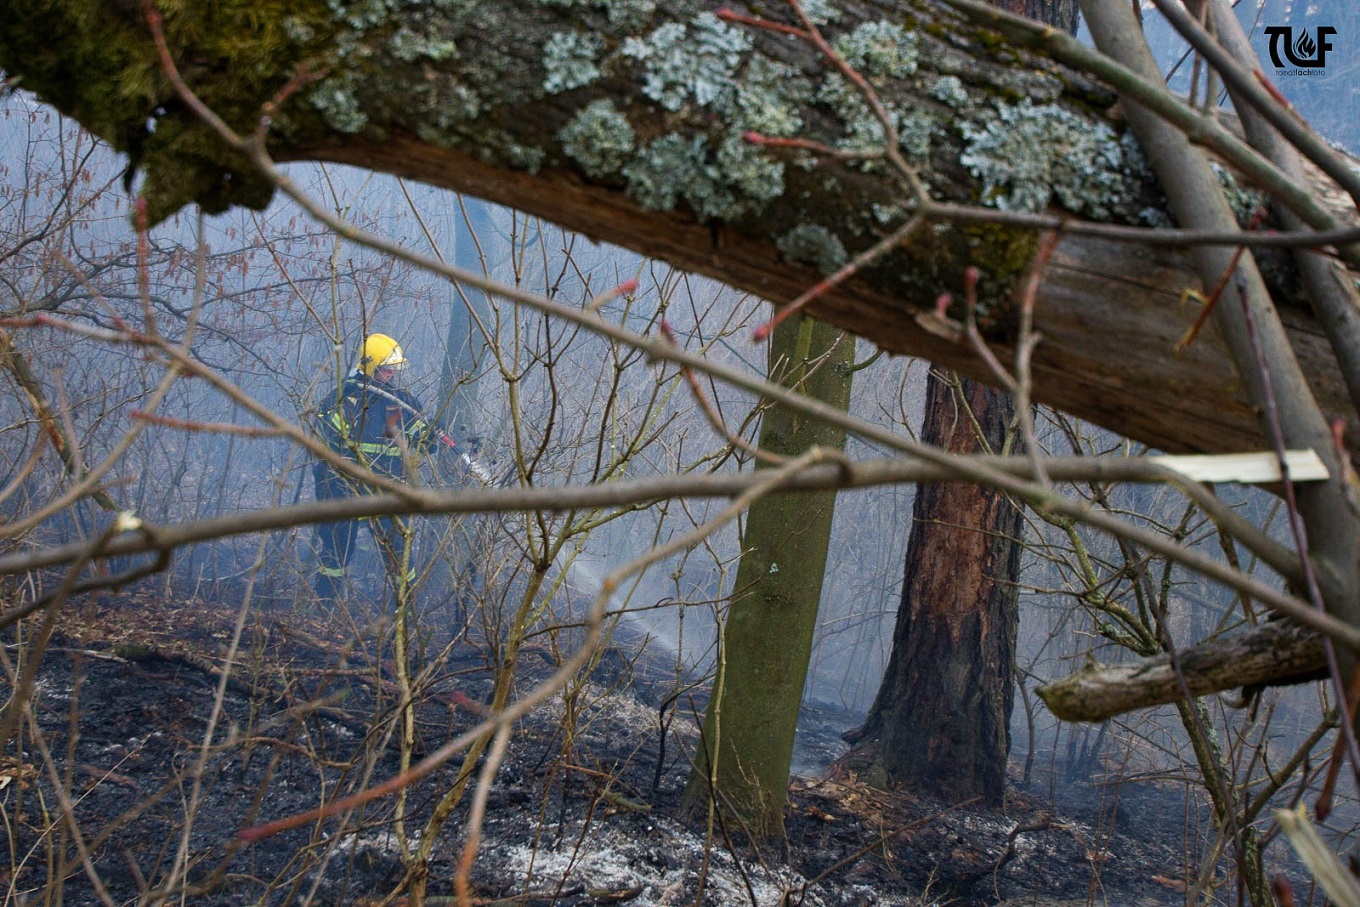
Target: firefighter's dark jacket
{"points": [[365, 421]]}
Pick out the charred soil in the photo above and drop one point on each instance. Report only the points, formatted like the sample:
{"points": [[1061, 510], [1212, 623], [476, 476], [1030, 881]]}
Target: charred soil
{"points": [[580, 812]]}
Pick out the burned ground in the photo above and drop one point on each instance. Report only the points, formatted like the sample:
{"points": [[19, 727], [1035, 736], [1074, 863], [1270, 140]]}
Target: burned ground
{"points": [[579, 812]]}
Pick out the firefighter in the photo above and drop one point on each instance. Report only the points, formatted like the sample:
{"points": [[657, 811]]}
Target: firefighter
{"points": [[369, 422]]}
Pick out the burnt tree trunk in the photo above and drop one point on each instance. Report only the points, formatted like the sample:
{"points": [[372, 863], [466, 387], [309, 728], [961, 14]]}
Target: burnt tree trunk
{"points": [[941, 720], [940, 724]]}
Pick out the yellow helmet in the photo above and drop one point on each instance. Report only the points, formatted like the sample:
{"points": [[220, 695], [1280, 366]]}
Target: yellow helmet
{"points": [[380, 351]]}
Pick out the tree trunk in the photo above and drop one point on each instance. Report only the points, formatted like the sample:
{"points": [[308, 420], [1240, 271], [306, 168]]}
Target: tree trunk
{"points": [[940, 724], [469, 316], [456, 577], [1059, 13], [767, 641], [576, 113], [930, 675]]}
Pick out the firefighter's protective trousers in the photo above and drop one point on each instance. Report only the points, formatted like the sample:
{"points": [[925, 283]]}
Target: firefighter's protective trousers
{"points": [[335, 541]]}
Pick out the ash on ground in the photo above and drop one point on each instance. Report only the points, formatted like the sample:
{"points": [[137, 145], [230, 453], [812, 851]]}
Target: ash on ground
{"points": [[582, 810]]}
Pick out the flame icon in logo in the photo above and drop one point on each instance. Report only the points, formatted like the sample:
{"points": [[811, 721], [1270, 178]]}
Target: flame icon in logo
{"points": [[1305, 47]]}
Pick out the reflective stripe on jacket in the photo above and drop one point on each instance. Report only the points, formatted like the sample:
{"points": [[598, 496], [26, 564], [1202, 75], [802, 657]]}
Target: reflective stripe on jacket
{"points": [[365, 422]]}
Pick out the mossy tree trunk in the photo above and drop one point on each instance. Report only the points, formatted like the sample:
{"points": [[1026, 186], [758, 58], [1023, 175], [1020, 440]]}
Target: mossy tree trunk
{"points": [[624, 121], [748, 735], [940, 724]]}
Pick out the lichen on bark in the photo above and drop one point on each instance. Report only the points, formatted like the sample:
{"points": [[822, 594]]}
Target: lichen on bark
{"points": [[650, 101]]}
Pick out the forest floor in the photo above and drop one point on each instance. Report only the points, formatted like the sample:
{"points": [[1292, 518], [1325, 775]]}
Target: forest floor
{"points": [[125, 691]]}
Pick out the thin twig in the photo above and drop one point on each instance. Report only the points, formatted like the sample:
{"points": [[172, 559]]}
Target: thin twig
{"points": [[1212, 299], [1024, 351], [219, 428], [714, 417]]}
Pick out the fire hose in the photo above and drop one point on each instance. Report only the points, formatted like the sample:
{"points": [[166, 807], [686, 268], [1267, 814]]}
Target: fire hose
{"points": [[475, 467]]}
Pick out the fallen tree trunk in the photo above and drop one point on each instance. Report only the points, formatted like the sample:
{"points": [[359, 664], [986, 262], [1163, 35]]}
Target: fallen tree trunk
{"points": [[1110, 313], [626, 121], [1276, 653]]}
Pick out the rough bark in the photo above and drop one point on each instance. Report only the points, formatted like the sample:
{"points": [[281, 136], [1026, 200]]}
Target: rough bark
{"points": [[1061, 14], [940, 724], [1274, 654], [985, 731], [624, 120], [767, 641]]}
